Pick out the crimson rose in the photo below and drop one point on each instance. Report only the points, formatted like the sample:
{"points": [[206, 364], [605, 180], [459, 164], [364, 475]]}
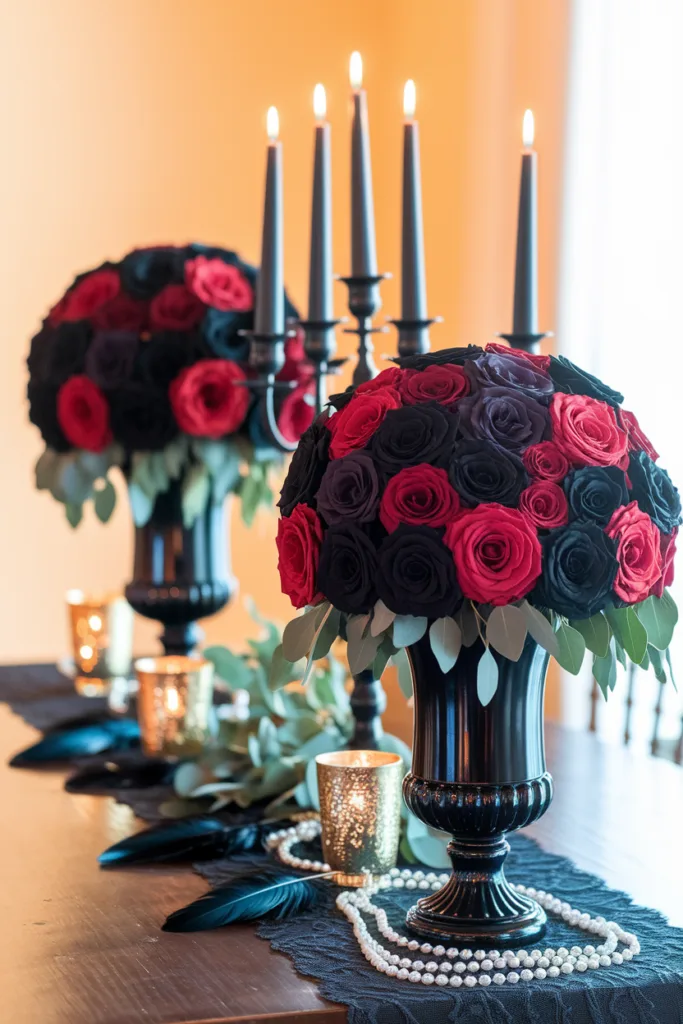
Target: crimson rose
{"points": [[544, 504], [668, 550], [122, 313], [83, 414], [219, 284], [299, 537], [420, 496], [87, 296], [353, 426], [175, 309], [637, 440], [497, 553], [208, 399], [587, 432], [545, 461], [444, 384], [638, 553], [543, 362], [391, 377]]}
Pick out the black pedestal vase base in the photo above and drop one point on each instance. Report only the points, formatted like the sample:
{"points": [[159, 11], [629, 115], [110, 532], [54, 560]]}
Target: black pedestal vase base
{"points": [[478, 773]]}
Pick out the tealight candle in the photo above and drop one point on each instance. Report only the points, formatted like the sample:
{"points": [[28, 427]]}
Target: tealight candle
{"points": [[360, 812], [175, 698], [101, 629]]}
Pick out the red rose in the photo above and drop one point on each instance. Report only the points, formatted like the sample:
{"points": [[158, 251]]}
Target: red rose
{"points": [[208, 399], [391, 377], [296, 366], [586, 430], [637, 440], [667, 542], [122, 313], [87, 296], [638, 552], [353, 426], [175, 309], [496, 552], [297, 412], [543, 362], [544, 504], [219, 284], [83, 414], [299, 537], [419, 495], [445, 384], [545, 461]]}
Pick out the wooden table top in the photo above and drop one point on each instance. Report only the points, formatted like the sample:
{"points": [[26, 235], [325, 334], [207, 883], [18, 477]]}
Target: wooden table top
{"points": [[78, 946]]}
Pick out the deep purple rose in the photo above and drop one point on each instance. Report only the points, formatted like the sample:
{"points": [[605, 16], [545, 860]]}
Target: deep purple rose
{"points": [[349, 490], [496, 370], [111, 357], [508, 418]]}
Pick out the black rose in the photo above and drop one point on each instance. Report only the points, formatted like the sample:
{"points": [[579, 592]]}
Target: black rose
{"points": [[349, 490], [220, 331], [42, 399], [111, 358], [66, 358], [417, 574], [38, 360], [347, 570], [144, 272], [411, 435], [652, 488], [579, 568], [480, 471], [213, 252], [165, 354], [142, 418], [457, 356], [306, 469], [572, 380], [596, 492]]}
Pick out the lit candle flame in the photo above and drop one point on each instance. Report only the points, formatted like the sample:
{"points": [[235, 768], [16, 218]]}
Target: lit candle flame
{"points": [[528, 128], [272, 123], [409, 98], [319, 102], [172, 699], [356, 70], [95, 622], [86, 652]]}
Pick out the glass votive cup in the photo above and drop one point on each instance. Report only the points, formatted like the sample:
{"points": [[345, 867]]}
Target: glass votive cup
{"points": [[174, 702], [101, 631], [360, 812]]}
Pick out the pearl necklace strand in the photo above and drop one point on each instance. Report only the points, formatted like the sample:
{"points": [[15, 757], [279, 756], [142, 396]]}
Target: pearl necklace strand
{"points": [[460, 966]]}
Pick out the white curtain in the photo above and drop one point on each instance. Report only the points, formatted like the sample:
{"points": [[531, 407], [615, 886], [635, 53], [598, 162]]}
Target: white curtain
{"points": [[621, 285]]}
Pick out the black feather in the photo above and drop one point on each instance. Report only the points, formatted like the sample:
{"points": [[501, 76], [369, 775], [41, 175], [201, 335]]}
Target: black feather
{"points": [[200, 838], [83, 741], [112, 776], [269, 895]]}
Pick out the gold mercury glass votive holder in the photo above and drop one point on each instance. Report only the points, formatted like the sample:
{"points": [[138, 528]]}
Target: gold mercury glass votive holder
{"points": [[101, 629], [175, 697], [360, 812]]}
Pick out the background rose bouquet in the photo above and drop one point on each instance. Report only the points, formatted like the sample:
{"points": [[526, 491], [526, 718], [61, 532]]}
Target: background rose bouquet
{"points": [[480, 494], [141, 365]]}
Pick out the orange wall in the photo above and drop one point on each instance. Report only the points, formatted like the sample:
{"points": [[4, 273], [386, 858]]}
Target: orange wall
{"points": [[130, 123]]}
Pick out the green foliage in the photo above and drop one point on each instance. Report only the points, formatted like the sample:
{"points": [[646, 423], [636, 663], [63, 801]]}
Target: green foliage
{"points": [[596, 633], [506, 631], [571, 647]]}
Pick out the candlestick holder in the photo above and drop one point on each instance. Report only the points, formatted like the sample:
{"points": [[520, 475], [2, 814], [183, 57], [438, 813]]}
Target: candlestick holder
{"points": [[364, 302], [320, 346], [266, 358], [413, 335], [526, 342]]}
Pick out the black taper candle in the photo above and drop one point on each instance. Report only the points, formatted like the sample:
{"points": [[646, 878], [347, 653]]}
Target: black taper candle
{"points": [[363, 244], [413, 282], [269, 316], [320, 300], [525, 314]]}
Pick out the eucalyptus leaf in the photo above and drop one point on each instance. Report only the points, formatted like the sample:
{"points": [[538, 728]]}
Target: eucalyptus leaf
{"points": [[72, 485], [47, 467], [629, 631], [657, 662], [667, 655], [405, 672], [361, 651], [467, 621], [195, 488], [297, 639], [596, 632], [327, 635], [571, 648], [427, 845], [487, 677], [659, 616], [230, 667], [605, 671], [506, 631], [175, 456], [619, 651], [74, 514], [280, 670], [408, 629], [382, 618], [105, 501], [356, 627], [540, 629], [141, 504], [321, 623], [385, 652], [445, 638]]}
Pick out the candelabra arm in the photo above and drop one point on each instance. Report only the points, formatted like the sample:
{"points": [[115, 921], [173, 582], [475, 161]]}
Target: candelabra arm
{"points": [[269, 420], [320, 347], [364, 302]]}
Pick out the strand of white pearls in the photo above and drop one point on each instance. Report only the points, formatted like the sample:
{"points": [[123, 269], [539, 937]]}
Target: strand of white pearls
{"points": [[460, 966]]}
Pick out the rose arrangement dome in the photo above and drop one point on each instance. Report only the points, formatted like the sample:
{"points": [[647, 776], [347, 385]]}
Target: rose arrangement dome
{"points": [[141, 364], [480, 495]]}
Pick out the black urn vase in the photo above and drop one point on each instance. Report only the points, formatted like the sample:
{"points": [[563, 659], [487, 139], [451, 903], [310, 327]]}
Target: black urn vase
{"points": [[478, 773], [181, 574]]}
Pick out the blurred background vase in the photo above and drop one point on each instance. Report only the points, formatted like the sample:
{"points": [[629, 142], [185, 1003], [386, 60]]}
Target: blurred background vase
{"points": [[181, 573], [478, 772]]}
